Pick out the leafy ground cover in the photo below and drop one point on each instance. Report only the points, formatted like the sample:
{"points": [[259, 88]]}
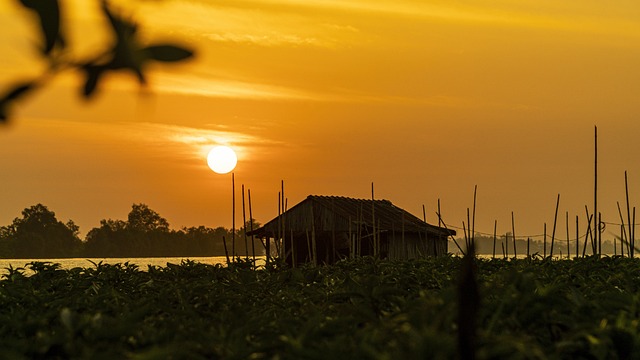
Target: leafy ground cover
{"points": [[357, 309]]}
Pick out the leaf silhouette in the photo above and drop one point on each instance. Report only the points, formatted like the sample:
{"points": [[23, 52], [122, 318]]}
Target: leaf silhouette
{"points": [[93, 73], [167, 53], [49, 16], [12, 95]]}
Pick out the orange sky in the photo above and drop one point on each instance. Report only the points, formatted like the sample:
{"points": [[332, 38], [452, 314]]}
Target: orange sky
{"points": [[424, 98]]}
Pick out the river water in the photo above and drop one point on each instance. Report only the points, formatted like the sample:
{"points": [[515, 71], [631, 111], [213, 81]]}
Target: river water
{"points": [[142, 263]]}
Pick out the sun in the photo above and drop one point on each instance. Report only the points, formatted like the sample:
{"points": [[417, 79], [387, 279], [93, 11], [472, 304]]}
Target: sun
{"points": [[222, 159]]}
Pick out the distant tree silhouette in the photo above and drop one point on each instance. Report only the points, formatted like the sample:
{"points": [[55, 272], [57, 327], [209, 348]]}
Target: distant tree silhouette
{"points": [[142, 218], [38, 234]]}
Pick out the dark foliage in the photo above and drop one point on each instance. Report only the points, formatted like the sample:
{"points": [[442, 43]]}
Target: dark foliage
{"points": [[357, 309]]}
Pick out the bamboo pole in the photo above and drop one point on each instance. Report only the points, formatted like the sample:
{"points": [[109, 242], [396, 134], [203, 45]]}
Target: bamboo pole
{"points": [[630, 240], [473, 219], [623, 233], [284, 218], [555, 221], [592, 219], [528, 247], [244, 226], [633, 233], [504, 254], [233, 216], [226, 253], [577, 237], [279, 221], [495, 228], [568, 244], [544, 242], [595, 190], [441, 223], [513, 231], [467, 234], [253, 240], [588, 234]]}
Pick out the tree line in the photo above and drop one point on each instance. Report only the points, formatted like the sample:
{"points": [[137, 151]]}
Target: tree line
{"points": [[38, 234]]}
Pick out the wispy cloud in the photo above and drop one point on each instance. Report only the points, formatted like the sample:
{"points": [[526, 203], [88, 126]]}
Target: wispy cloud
{"points": [[207, 85]]}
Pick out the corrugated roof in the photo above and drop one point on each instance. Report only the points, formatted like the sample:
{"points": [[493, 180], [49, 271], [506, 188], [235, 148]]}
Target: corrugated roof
{"points": [[344, 211]]}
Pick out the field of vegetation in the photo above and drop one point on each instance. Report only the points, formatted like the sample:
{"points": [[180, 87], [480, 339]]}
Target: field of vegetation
{"points": [[357, 309]]}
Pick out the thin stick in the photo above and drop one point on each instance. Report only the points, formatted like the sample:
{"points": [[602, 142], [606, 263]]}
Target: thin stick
{"points": [[568, 245], [233, 216], [442, 223], [553, 233], [495, 228], [630, 240], [473, 223], [577, 237], [623, 234], [424, 213], [544, 254], [244, 221], [253, 241], [226, 253], [633, 234], [467, 234], [595, 189], [528, 246], [513, 231]]}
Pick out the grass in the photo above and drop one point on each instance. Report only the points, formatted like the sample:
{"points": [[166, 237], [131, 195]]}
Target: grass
{"points": [[357, 309]]}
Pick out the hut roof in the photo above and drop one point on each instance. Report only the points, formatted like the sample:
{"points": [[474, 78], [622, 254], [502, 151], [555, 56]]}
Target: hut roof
{"points": [[343, 213]]}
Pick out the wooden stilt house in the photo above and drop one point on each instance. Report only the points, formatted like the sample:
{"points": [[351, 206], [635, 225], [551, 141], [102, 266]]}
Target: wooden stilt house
{"points": [[324, 229]]}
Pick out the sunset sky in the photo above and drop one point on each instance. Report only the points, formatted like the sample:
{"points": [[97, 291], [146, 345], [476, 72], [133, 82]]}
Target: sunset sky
{"points": [[426, 99]]}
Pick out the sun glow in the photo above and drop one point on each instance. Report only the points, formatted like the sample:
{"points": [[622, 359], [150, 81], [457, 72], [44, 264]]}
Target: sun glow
{"points": [[222, 159]]}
